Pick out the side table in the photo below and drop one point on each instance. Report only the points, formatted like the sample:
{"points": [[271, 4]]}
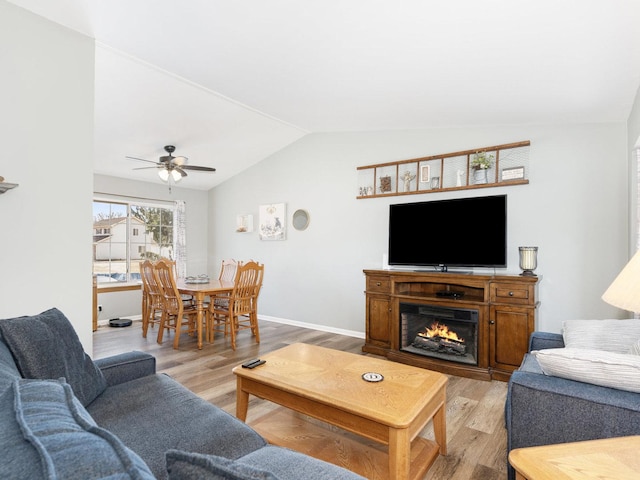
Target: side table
{"points": [[608, 458]]}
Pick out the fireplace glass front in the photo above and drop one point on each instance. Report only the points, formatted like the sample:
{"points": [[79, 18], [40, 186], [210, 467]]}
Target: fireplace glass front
{"points": [[440, 332]]}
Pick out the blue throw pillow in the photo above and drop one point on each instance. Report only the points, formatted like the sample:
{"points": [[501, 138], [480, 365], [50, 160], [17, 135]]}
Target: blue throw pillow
{"points": [[70, 444], [187, 465], [46, 346]]}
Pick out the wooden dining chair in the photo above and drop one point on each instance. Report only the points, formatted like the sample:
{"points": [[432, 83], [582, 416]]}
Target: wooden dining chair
{"points": [[242, 311], [215, 323], [176, 314], [152, 297]]}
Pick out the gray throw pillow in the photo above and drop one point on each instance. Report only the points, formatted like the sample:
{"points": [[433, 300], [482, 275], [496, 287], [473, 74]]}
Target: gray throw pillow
{"points": [[46, 346], [69, 443]]}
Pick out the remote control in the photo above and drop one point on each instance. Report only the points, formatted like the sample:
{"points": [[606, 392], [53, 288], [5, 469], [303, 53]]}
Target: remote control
{"points": [[250, 362], [257, 364]]}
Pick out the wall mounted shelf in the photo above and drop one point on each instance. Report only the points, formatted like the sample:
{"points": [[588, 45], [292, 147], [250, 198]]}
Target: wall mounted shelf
{"points": [[445, 172]]}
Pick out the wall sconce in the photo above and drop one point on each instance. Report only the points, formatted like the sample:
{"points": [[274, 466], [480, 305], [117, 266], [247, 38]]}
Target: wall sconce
{"points": [[6, 186], [528, 260]]}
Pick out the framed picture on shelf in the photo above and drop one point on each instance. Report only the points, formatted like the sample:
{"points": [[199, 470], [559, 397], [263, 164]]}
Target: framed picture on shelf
{"points": [[425, 174], [515, 173], [385, 184]]}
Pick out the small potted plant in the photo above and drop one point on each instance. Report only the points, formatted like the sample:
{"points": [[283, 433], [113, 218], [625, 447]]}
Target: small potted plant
{"points": [[481, 162]]}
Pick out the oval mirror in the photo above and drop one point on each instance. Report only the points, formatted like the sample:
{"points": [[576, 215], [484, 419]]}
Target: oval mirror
{"points": [[300, 219]]}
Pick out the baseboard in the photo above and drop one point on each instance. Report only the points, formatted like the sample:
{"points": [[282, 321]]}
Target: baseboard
{"points": [[313, 326], [310, 326]]}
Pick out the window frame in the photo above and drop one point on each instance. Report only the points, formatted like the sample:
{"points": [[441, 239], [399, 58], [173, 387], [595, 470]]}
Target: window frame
{"points": [[114, 276]]}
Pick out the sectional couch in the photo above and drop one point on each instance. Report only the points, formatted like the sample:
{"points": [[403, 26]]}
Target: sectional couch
{"points": [[64, 416], [591, 388]]}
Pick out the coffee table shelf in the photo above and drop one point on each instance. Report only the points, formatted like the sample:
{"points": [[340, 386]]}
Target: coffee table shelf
{"points": [[286, 428]]}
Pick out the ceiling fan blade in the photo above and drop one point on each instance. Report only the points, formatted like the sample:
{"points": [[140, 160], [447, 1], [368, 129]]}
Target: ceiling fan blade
{"points": [[144, 168], [180, 171], [141, 159], [200, 169]]}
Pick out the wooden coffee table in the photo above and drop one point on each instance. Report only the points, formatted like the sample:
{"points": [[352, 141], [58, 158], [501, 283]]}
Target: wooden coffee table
{"points": [[327, 384]]}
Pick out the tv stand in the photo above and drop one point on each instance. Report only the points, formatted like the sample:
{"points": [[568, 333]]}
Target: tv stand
{"points": [[506, 305]]}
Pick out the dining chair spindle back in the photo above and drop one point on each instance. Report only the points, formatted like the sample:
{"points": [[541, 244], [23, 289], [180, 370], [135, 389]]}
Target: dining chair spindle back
{"points": [[242, 310], [175, 314], [152, 297], [215, 323]]}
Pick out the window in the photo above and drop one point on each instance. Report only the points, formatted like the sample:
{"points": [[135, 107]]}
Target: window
{"points": [[119, 246]]}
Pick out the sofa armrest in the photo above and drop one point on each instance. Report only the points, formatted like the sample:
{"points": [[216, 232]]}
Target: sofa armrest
{"points": [[126, 366], [543, 340]]}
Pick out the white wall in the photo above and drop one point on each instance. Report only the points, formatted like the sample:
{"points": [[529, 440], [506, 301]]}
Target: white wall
{"points": [[46, 126], [633, 143], [574, 209], [127, 304]]}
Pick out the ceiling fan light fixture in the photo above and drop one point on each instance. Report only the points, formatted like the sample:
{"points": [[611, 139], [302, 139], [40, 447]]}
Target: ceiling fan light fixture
{"points": [[176, 175], [170, 167], [164, 174]]}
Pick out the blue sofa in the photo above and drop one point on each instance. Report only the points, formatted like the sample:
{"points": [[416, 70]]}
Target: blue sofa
{"points": [[64, 416], [543, 410]]}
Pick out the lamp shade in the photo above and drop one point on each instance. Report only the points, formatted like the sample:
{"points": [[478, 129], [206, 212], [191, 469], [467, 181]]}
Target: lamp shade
{"points": [[624, 292]]}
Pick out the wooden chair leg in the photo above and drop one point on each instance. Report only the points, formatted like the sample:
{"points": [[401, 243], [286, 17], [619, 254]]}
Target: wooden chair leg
{"points": [[254, 326], [145, 326], [145, 320], [209, 326], [163, 325], [176, 337], [232, 328]]}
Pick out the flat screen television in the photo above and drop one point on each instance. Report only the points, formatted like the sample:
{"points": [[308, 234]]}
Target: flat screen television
{"points": [[461, 232]]}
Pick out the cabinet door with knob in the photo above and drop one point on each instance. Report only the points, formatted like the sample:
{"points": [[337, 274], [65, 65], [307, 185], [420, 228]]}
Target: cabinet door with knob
{"points": [[512, 317], [378, 314]]}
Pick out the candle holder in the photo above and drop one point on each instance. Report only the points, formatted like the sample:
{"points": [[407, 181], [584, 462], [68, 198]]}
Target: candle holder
{"points": [[528, 260]]}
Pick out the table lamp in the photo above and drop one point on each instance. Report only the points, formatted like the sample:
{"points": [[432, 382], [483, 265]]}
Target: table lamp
{"points": [[624, 292]]}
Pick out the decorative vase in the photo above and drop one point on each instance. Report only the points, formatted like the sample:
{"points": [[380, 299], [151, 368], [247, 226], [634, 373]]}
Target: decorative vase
{"points": [[480, 176]]}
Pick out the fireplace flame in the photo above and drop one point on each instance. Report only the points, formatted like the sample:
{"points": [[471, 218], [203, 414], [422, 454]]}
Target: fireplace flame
{"points": [[440, 330]]}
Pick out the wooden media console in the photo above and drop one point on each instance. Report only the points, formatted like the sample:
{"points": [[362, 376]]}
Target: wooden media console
{"points": [[506, 308]]}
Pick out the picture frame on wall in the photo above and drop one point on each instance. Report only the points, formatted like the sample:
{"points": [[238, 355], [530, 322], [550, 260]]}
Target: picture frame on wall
{"points": [[272, 221]]}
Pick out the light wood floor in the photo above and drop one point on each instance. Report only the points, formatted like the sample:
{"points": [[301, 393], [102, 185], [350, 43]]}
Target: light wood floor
{"points": [[476, 437]]}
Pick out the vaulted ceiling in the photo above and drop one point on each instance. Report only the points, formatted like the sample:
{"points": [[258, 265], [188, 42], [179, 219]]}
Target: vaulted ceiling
{"points": [[231, 82]]}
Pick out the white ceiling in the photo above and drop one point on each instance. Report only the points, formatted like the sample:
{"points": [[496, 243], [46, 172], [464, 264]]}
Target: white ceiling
{"points": [[231, 82]]}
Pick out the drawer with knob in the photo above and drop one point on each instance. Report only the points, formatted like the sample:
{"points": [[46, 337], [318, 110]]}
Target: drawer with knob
{"points": [[513, 293], [378, 283]]}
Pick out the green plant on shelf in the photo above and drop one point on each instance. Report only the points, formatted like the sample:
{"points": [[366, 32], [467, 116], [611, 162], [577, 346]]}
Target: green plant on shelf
{"points": [[482, 161]]}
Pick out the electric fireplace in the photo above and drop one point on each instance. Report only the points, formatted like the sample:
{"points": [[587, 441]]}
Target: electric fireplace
{"points": [[439, 332]]}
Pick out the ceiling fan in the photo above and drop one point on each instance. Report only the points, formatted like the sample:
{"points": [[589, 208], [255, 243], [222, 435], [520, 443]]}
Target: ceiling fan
{"points": [[172, 167]]}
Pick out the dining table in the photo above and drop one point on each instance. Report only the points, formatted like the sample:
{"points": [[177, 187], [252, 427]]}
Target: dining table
{"points": [[200, 291]]}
